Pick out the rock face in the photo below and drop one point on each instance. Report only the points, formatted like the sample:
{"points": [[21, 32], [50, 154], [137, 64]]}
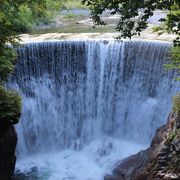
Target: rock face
{"points": [[8, 141], [160, 161]]}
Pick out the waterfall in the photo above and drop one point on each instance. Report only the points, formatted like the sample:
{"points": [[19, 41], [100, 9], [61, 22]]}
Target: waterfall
{"points": [[77, 92]]}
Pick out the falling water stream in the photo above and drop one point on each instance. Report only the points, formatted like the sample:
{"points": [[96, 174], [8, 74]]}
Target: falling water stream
{"points": [[88, 104]]}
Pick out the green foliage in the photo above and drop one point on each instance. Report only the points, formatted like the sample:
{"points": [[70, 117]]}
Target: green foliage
{"points": [[7, 60], [175, 60], [134, 14], [19, 16], [10, 105], [25, 21], [159, 28], [24, 14], [8, 16], [32, 13], [176, 105], [15, 16], [72, 4]]}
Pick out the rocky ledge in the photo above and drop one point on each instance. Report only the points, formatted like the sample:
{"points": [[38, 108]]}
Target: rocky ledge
{"points": [[8, 141], [160, 161]]}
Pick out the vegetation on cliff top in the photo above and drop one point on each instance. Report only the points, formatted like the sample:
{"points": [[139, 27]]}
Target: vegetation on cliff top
{"points": [[10, 105], [28, 14], [176, 105], [7, 60], [18, 16], [15, 16]]}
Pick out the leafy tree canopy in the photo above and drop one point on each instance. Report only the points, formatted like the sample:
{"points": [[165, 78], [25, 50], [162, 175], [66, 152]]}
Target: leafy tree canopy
{"points": [[14, 16], [10, 105], [133, 16]]}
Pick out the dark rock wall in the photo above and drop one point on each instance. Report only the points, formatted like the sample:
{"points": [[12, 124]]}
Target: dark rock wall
{"points": [[8, 141], [160, 161]]}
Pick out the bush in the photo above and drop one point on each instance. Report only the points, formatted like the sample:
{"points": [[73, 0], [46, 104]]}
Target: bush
{"points": [[176, 106], [72, 4], [7, 60], [25, 21], [10, 106]]}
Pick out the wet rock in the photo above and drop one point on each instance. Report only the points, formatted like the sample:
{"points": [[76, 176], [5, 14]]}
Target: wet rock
{"points": [[159, 161], [162, 162], [164, 158], [131, 165], [113, 177], [158, 167], [161, 154], [8, 143], [171, 176], [160, 175]]}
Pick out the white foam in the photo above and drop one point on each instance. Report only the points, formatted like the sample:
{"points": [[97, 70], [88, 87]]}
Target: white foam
{"points": [[76, 92], [91, 163]]}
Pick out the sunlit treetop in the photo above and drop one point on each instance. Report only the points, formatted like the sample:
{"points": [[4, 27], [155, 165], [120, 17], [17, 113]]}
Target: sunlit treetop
{"points": [[10, 25], [14, 17]]}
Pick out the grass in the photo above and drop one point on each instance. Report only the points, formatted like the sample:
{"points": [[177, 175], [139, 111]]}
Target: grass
{"points": [[160, 29]]}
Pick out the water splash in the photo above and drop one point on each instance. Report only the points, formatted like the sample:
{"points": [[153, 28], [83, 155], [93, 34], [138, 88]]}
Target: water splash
{"points": [[76, 92]]}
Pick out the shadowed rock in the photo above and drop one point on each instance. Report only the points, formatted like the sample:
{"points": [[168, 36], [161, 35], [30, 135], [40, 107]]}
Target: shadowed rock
{"points": [[159, 161]]}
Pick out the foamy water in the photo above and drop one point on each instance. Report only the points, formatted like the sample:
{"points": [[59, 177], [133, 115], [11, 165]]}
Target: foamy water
{"points": [[91, 163], [82, 98]]}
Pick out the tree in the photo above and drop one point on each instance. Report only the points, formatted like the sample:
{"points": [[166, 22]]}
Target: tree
{"points": [[14, 17], [10, 105], [134, 15], [8, 15], [26, 13]]}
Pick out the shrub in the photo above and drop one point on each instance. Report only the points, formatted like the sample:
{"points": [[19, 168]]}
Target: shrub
{"points": [[10, 106], [176, 106], [7, 60]]}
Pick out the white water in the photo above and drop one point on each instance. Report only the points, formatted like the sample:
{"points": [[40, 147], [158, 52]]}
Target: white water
{"points": [[91, 163], [87, 105]]}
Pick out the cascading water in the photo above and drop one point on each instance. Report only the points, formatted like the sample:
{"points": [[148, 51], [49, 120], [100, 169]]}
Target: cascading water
{"points": [[88, 104]]}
